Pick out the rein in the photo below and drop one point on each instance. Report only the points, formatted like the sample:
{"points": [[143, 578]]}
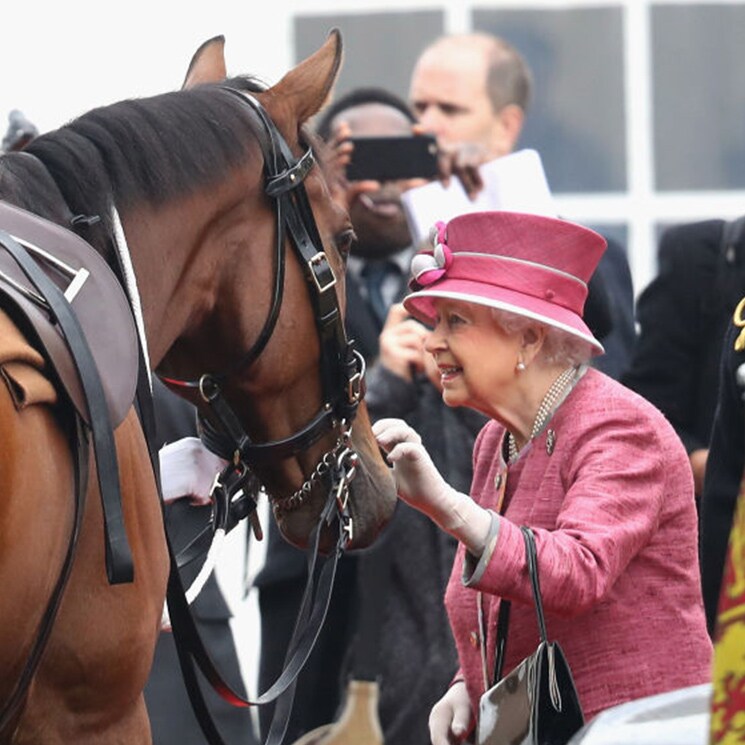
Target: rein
{"points": [[342, 371]]}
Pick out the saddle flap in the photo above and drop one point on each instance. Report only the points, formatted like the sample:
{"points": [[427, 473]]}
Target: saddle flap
{"points": [[96, 297]]}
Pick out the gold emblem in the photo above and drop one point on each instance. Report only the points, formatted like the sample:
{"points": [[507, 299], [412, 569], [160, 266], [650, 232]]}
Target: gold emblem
{"points": [[739, 321]]}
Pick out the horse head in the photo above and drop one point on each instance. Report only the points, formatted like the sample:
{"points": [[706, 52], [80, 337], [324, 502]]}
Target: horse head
{"points": [[300, 372]]}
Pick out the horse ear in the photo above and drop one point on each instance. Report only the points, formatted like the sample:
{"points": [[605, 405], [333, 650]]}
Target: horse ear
{"points": [[208, 64], [307, 87]]}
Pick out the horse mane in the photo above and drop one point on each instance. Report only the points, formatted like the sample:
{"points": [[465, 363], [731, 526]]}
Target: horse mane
{"points": [[138, 150]]}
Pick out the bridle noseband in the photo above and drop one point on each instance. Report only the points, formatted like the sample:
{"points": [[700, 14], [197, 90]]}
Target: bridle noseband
{"points": [[342, 367]]}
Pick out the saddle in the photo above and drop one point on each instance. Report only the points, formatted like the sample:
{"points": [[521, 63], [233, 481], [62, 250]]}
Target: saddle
{"points": [[96, 297]]}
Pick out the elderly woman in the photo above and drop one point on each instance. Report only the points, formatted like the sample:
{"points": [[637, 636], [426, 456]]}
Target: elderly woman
{"points": [[595, 470]]}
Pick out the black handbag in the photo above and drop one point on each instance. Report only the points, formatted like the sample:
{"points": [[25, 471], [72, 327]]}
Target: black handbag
{"points": [[537, 703]]}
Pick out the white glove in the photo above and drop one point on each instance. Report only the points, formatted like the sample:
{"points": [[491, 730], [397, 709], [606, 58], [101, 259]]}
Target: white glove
{"points": [[451, 718], [187, 469], [420, 484]]}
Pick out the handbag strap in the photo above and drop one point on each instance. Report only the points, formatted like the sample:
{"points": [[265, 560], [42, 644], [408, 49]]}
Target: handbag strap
{"points": [[503, 619], [532, 556]]}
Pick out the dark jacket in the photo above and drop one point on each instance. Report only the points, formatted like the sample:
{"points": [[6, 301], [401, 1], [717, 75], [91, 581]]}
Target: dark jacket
{"points": [[683, 314], [724, 471]]}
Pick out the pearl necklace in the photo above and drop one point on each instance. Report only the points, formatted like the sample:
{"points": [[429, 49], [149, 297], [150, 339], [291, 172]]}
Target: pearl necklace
{"points": [[546, 408]]}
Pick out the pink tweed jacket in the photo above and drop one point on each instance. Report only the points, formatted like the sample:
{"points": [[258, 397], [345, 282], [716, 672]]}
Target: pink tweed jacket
{"points": [[613, 511]]}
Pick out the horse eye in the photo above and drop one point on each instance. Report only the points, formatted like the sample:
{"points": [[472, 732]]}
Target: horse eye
{"points": [[344, 241]]}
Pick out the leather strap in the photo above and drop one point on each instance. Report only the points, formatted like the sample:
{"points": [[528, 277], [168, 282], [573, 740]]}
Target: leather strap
{"points": [[237, 438], [503, 619]]}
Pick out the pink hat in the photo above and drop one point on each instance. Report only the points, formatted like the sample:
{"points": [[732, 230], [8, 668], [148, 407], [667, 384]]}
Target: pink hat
{"points": [[526, 264]]}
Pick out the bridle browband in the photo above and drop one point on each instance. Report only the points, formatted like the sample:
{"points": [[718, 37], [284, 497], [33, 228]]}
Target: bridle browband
{"points": [[342, 378]]}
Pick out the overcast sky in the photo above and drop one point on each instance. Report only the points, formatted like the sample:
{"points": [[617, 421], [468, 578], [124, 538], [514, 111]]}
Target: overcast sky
{"points": [[60, 58]]}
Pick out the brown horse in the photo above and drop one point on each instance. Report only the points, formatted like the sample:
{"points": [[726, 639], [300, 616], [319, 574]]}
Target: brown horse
{"points": [[185, 171]]}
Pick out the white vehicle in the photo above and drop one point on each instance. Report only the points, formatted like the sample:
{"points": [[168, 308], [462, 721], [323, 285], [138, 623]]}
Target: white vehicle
{"points": [[679, 717]]}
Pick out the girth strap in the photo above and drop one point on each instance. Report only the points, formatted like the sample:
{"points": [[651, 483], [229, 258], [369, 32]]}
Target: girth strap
{"points": [[119, 564]]}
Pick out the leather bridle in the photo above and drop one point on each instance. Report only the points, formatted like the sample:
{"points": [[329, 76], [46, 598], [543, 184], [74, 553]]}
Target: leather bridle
{"points": [[342, 367], [342, 379]]}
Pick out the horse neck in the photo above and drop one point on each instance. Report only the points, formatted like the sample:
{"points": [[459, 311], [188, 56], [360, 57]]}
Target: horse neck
{"points": [[165, 247]]}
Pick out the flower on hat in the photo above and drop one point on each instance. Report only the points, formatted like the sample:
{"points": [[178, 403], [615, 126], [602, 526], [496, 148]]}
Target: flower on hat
{"points": [[429, 266]]}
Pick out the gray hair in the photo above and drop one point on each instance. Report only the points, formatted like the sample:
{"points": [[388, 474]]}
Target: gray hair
{"points": [[559, 347]]}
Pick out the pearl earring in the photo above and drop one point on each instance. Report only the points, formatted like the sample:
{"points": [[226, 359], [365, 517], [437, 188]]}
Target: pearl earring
{"points": [[520, 366]]}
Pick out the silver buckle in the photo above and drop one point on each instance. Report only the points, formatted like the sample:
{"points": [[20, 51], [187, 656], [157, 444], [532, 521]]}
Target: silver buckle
{"points": [[354, 388], [317, 260]]}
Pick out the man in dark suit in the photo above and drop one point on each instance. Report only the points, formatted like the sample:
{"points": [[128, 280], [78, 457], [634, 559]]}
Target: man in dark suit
{"points": [[683, 314], [171, 717], [377, 273], [685, 364]]}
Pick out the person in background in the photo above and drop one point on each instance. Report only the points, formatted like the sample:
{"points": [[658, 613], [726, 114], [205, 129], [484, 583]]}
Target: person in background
{"points": [[683, 315], [382, 243], [724, 470], [593, 468], [723, 538], [472, 91]]}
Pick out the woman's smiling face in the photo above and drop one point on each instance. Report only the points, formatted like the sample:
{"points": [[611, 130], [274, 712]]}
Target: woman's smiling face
{"points": [[475, 356]]}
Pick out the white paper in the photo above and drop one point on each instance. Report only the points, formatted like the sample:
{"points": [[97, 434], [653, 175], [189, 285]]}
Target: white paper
{"points": [[515, 183]]}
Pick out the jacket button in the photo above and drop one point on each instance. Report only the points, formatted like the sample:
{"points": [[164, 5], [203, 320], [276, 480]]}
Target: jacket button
{"points": [[474, 639]]}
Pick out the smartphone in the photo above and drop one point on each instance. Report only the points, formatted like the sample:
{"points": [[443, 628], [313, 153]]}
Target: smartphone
{"points": [[392, 158]]}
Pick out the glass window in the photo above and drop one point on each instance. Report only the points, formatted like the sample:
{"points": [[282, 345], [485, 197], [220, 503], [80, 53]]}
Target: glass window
{"points": [[576, 120], [699, 96], [380, 49]]}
